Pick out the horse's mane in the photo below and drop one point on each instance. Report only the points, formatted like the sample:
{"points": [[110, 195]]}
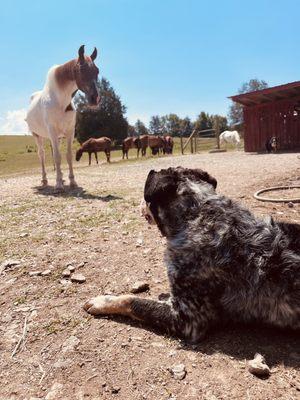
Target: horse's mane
{"points": [[58, 75]]}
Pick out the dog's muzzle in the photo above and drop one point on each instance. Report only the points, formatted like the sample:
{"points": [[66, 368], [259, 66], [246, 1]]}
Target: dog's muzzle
{"points": [[146, 213]]}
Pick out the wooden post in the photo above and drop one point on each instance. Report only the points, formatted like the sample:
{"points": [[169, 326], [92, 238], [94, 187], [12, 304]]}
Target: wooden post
{"points": [[218, 134], [181, 144], [196, 142], [192, 147]]}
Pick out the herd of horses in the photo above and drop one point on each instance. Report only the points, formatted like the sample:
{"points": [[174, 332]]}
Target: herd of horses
{"points": [[157, 144]]}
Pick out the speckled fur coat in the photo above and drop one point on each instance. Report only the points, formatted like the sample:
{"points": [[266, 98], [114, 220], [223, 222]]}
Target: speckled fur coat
{"points": [[223, 263]]}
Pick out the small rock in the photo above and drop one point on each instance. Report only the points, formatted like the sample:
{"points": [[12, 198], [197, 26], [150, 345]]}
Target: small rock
{"points": [[78, 278], [70, 344], [63, 364], [115, 390], [46, 272], [8, 264], [139, 242], [23, 235], [54, 391], [139, 287], [66, 273], [35, 273], [178, 371], [290, 204], [258, 366], [71, 268]]}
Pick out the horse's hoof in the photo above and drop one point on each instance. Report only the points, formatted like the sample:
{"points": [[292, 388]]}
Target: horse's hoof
{"points": [[73, 185], [44, 183], [59, 187]]}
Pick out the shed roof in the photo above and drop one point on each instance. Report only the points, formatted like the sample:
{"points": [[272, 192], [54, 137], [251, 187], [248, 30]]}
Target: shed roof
{"points": [[268, 95]]}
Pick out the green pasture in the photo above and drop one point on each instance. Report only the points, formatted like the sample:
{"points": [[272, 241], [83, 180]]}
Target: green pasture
{"points": [[18, 154]]}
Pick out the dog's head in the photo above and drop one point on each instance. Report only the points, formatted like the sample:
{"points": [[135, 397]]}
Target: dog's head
{"points": [[172, 195]]}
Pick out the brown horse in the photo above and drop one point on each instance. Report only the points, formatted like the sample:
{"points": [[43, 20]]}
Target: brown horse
{"points": [[156, 143], [130, 143], [93, 146], [140, 143], [169, 144]]}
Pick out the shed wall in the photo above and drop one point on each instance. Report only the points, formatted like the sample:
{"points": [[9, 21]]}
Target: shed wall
{"points": [[277, 118]]}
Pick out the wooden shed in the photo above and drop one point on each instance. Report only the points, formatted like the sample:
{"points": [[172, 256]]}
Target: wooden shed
{"points": [[271, 112]]}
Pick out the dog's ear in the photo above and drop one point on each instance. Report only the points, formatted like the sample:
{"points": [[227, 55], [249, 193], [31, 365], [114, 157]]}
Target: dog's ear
{"points": [[160, 186], [198, 175]]}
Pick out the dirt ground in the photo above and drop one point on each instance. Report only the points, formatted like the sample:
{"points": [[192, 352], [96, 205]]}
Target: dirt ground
{"points": [[66, 354]]}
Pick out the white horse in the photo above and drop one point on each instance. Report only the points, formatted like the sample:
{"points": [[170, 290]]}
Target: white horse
{"points": [[231, 137], [51, 114]]}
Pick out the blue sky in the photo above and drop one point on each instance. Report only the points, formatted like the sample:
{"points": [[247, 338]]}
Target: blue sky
{"points": [[160, 56]]}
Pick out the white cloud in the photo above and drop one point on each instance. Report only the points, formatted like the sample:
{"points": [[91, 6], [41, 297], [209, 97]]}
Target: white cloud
{"points": [[13, 123]]}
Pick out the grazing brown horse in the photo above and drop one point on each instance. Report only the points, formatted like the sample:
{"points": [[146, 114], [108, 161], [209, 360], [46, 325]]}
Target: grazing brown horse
{"points": [[144, 140], [140, 143], [156, 143], [130, 143], [169, 144], [93, 146]]}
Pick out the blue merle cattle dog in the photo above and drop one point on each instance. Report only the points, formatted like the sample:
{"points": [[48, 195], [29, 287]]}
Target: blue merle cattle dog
{"points": [[223, 263]]}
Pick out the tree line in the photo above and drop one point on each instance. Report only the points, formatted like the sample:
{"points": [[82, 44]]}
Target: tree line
{"points": [[109, 119]]}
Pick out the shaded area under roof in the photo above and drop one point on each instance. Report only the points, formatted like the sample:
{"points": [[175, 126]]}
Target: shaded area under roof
{"points": [[274, 93]]}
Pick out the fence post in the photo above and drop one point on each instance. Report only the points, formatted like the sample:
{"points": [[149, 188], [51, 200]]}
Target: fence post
{"points": [[181, 144], [218, 134]]}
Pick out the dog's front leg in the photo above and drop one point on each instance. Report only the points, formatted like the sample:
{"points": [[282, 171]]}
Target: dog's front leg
{"points": [[154, 313], [159, 315]]}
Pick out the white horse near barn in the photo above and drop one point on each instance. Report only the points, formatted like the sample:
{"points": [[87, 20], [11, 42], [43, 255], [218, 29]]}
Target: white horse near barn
{"points": [[51, 114], [230, 137]]}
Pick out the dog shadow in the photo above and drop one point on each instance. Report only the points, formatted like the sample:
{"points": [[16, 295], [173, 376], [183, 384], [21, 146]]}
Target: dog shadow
{"points": [[68, 192], [240, 342]]}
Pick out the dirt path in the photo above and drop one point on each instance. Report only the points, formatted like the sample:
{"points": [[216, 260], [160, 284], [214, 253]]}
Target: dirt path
{"points": [[68, 355]]}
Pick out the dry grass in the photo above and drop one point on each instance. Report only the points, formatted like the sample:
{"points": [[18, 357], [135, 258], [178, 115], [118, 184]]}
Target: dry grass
{"points": [[18, 154]]}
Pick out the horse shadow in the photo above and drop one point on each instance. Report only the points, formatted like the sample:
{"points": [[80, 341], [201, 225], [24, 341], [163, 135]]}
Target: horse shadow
{"points": [[68, 192], [238, 341]]}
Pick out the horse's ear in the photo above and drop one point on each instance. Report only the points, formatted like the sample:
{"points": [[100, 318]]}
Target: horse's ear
{"points": [[94, 54], [81, 54]]}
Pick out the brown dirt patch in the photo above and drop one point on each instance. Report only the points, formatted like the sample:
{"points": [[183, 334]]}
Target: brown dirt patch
{"points": [[98, 230]]}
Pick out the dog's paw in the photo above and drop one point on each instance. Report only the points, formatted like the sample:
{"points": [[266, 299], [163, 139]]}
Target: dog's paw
{"points": [[104, 305], [100, 305]]}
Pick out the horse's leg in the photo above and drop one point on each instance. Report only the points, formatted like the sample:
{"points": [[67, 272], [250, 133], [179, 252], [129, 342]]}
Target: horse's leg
{"points": [[57, 160], [52, 156], [73, 183], [90, 158], [96, 157], [138, 152], [127, 154], [41, 153], [107, 152]]}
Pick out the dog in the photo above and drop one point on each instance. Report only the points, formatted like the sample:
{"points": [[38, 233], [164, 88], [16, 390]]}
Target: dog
{"points": [[223, 263], [272, 145]]}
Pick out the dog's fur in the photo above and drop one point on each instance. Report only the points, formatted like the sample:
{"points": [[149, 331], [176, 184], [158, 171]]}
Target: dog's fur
{"points": [[224, 264]]}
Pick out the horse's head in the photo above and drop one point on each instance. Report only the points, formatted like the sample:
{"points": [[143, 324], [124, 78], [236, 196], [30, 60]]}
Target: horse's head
{"points": [[78, 154], [86, 76]]}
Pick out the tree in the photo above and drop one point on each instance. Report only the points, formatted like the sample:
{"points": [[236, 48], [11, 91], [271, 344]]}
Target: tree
{"points": [[131, 131], [219, 122], [140, 128], [203, 121], [235, 114], [108, 119], [157, 125], [172, 125], [186, 127]]}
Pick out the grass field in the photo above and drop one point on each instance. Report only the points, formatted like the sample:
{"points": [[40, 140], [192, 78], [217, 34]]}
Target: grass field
{"points": [[18, 154]]}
